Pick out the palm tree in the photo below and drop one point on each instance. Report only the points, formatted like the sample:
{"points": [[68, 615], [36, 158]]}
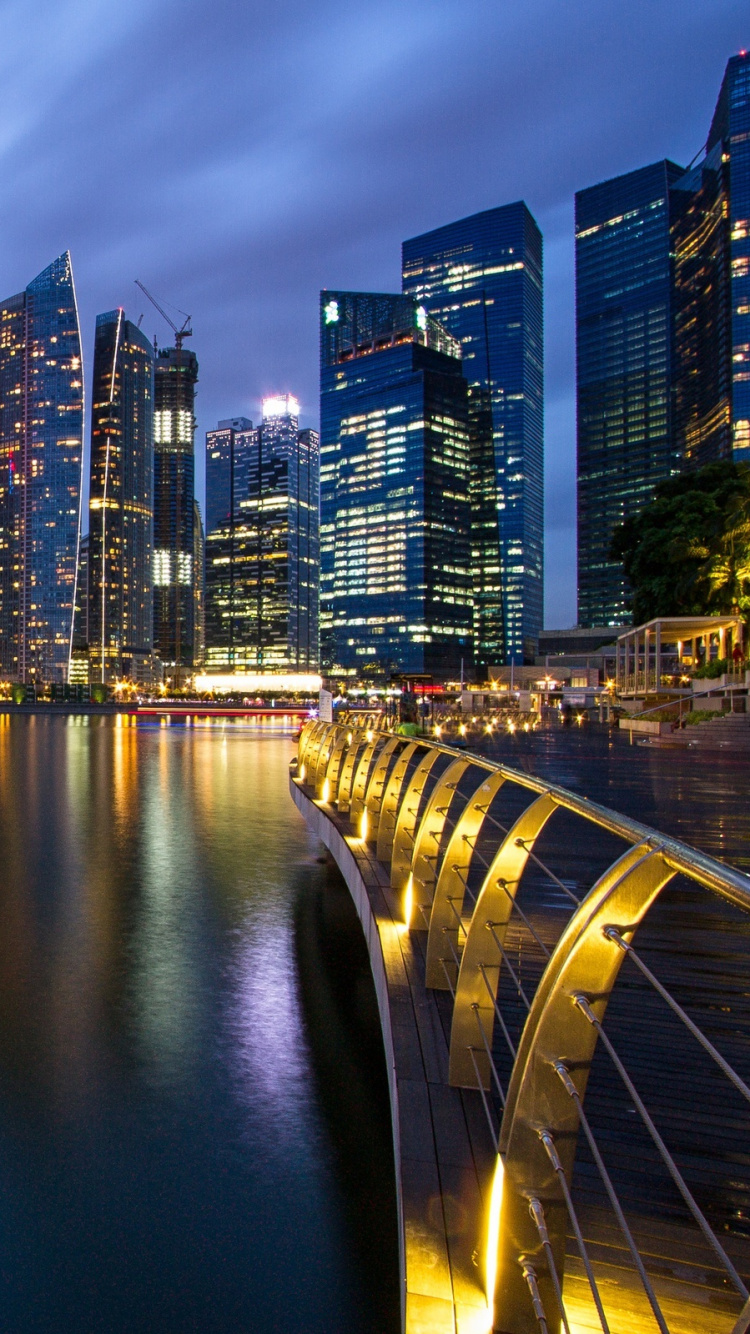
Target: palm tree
{"points": [[726, 570]]}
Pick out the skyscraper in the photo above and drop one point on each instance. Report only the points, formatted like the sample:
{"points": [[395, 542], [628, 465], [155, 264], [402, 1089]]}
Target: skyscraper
{"points": [[199, 587], [481, 278], [81, 615], [663, 334], [262, 561], [175, 378], [224, 470], [624, 370], [395, 556], [121, 502], [41, 453], [711, 246]]}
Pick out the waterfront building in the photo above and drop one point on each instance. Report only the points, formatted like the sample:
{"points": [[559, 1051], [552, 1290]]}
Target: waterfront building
{"points": [[225, 470], [41, 459], [481, 278], [121, 502], [396, 587], [175, 378], [199, 593], [227, 449], [711, 247], [624, 371], [262, 560]]}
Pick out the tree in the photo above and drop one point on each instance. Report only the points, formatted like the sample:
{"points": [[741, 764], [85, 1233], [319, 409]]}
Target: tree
{"points": [[687, 553]]}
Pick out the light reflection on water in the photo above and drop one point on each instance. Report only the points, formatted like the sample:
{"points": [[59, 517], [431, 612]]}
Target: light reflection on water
{"points": [[166, 1161]]}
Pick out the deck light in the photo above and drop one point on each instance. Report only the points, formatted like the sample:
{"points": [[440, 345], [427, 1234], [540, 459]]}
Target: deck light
{"points": [[408, 901], [493, 1235]]}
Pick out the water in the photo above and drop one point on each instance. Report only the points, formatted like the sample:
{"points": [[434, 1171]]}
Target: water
{"points": [[194, 1126]]}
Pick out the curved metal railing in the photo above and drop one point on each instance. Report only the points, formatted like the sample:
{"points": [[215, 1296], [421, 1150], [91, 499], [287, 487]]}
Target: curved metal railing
{"points": [[597, 1221]]}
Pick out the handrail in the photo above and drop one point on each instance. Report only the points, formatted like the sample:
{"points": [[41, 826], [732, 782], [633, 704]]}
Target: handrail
{"points": [[430, 821]]}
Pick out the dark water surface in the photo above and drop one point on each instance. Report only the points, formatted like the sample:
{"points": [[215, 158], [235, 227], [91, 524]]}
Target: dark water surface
{"points": [[194, 1127]]}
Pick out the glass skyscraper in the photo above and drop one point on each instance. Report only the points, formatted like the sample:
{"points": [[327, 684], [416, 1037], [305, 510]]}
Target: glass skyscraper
{"points": [[396, 588], [481, 278], [624, 370], [121, 512], [711, 245], [199, 587], [175, 378], [224, 470], [663, 334], [262, 558], [41, 454]]}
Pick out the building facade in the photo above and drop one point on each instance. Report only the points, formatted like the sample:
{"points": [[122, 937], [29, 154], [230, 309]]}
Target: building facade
{"points": [[624, 313], [121, 514], [41, 459], [199, 588], [262, 561], [225, 470], [711, 247], [175, 378], [481, 278], [396, 586]]}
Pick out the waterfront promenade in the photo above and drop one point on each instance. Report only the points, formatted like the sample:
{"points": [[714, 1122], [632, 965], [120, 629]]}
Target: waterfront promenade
{"points": [[521, 901]]}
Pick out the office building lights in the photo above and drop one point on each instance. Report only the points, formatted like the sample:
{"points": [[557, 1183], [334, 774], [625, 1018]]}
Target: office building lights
{"points": [[285, 405]]}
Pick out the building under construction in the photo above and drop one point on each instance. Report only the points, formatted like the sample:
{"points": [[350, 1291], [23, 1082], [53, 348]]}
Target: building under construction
{"points": [[175, 377]]}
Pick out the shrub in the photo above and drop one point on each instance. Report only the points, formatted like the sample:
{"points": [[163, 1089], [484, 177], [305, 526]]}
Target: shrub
{"points": [[18, 692], [701, 715], [658, 715], [99, 693], [710, 670]]}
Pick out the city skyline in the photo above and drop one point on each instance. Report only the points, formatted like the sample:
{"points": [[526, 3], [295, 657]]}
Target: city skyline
{"points": [[493, 102]]}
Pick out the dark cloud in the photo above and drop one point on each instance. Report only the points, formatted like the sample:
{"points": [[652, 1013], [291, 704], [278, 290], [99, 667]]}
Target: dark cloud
{"points": [[239, 156]]}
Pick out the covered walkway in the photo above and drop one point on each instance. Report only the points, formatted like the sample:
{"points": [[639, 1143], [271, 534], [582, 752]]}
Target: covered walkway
{"points": [[686, 640]]}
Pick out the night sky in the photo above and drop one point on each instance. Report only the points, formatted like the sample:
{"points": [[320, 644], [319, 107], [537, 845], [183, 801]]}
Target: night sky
{"points": [[237, 156]]}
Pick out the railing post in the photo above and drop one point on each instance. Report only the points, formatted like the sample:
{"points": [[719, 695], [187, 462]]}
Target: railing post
{"points": [[406, 822], [390, 804], [377, 785], [585, 960], [450, 889], [424, 861], [480, 960]]}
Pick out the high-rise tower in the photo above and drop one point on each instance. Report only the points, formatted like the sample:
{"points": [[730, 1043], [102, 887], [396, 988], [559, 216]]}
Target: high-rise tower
{"points": [[624, 370], [175, 378], [199, 587], [396, 590], [711, 247], [481, 278], [225, 473], [121, 502], [41, 453], [262, 560]]}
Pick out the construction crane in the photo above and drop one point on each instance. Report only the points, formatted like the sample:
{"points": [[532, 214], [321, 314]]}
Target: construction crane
{"points": [[179, 334]]}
